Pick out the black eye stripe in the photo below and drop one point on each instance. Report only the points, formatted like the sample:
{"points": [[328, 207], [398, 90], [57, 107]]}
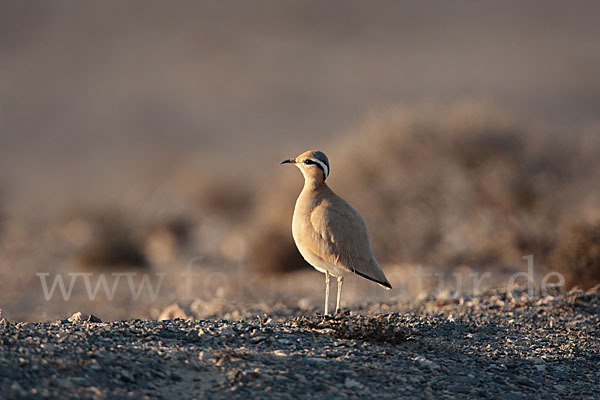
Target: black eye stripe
{"points": [[309, 161]]}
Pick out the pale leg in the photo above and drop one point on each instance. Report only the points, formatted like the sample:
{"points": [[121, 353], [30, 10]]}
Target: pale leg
{"points": [[340, 280], [326, 291]]}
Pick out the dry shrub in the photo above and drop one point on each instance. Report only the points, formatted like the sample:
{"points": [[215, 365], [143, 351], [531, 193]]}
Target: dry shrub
{"points": [[179, 227], [112, 245], [225, 198], [461, 187], [464, 185], [271, 248], [272, 251], [168, 237], [577, 255], [387, 329]]}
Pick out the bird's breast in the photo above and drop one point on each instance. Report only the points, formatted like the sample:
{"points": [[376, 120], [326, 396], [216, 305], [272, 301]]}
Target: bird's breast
{"points": [[304, 236]]}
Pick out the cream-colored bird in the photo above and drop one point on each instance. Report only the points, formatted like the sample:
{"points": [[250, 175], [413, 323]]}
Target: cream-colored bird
{"points": [[329, 233]]}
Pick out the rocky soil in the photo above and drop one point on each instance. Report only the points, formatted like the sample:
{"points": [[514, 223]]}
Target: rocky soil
{"points": [[497, 345]]}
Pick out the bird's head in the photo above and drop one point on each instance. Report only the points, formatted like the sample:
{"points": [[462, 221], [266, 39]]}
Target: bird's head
{"points": [[313, 164]]}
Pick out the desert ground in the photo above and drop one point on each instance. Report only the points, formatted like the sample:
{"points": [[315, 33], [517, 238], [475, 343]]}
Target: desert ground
{"points": [[497, 345]]}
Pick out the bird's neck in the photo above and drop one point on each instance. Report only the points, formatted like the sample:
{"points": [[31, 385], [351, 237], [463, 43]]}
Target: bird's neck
{"points": [[313, 183]]}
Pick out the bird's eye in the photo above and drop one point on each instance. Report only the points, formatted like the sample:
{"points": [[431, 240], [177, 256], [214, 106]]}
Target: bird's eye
{"points": [[307, 162]]}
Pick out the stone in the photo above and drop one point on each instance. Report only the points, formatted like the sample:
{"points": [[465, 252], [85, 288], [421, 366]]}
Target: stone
{"points": [[78, 317], [593, 290], [176, 311], [175, 377], [352, 384], [126, 376], [459, 388], [80, 381], [422, 362], [206, 355], [83, 317], [227, 331], [94, 319]]}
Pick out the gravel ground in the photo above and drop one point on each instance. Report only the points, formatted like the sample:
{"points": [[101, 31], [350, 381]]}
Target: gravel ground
{"points": [[497, 345]]}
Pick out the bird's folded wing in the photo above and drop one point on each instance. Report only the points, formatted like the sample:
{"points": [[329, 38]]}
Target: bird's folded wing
{"points": [[341, 238]]}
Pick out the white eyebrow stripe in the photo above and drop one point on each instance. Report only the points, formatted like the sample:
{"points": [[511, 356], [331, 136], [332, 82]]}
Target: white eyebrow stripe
{"points": [[323, 166]]}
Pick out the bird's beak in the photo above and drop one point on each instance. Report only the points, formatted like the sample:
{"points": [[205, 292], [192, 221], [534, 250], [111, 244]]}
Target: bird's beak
{"points": [[289, 161]]}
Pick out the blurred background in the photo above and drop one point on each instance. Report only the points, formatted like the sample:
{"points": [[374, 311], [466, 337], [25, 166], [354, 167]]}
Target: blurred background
{"points": [[147, 136]]}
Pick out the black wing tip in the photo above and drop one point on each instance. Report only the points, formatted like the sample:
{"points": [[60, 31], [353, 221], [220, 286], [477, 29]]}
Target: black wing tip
{"points": [[385, 284]]}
